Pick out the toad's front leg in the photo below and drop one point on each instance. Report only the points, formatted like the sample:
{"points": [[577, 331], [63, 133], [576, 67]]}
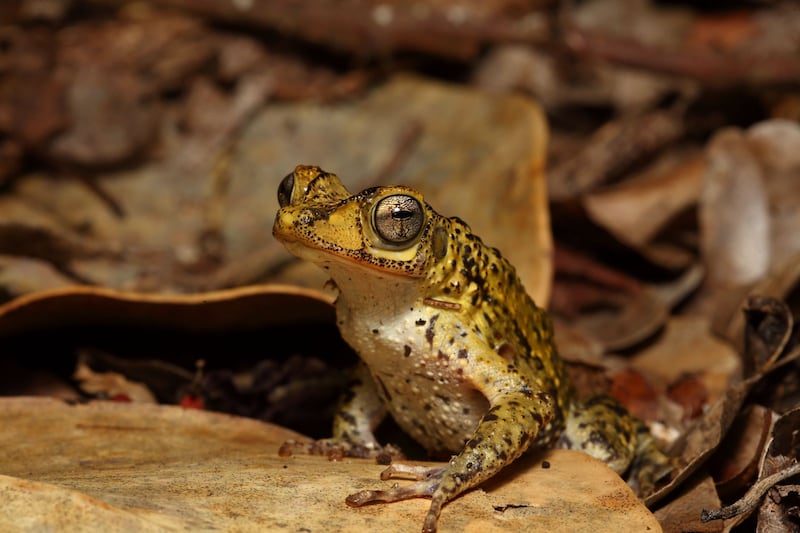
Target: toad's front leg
{"points": [[514, 420], [358, 414]]}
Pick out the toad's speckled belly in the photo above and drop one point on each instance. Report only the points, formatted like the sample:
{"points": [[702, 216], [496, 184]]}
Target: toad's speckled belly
{"points": [[441, 417], [421, 378]]}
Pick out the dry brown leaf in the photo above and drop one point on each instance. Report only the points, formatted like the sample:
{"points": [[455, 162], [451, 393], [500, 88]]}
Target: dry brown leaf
{"points": [[624, 319], [141, 467], [734, 470], [688, 347], [636, 210], [454, 159], [683, 512]]}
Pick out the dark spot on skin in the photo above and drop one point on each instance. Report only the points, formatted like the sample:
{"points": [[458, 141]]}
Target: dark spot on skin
{"points": [[507, 440], [462, 353], [445, 400], [537, 417], [465, 411], [489, 417], [502, 455], [442, 356], [451, 341], [375, 331], [543, 396], [545, 464], [420, 322], [597, 437], [446, 290], [427, 407], [507, 352], [406, 350], [429, 331]]}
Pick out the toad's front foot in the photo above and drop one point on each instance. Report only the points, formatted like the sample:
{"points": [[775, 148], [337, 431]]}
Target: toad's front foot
{"points": [[428, 480], [337, 449]]}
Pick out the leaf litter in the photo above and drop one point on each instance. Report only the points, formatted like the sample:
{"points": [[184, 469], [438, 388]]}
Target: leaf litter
{"points": [[142, 146]]}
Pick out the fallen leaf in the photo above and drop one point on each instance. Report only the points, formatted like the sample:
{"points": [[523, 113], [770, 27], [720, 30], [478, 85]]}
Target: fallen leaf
{"points": [[145, 467]]}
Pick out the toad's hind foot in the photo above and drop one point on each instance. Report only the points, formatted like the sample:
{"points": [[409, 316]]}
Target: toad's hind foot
{"points": [[428, 479], [426, 486]]}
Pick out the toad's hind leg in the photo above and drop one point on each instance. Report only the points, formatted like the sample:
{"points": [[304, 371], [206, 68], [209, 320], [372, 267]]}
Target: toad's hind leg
{"points": [[605, 430], [504, 432]]}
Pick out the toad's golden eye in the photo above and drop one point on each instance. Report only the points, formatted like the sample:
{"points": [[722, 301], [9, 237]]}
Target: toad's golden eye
{"points": [[285, 190], [398, 219]]}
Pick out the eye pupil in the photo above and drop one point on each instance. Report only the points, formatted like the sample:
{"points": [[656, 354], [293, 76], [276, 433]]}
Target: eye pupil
{"points": [[401, 214], [398, 219]]}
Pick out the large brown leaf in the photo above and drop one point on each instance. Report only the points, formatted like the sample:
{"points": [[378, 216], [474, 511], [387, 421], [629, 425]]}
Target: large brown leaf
{"points": [[133, 467]]}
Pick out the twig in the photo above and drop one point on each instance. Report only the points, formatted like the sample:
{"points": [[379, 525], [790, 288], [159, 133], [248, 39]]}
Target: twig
{"points": [[752, 498], [707, 68]]}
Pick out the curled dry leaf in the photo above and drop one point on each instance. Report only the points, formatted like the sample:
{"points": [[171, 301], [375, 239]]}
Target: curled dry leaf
{"points": [[682, 513], [747, 225], [637, 210], [734, 213], [743, 448], [231, 310], [621, 312]]}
